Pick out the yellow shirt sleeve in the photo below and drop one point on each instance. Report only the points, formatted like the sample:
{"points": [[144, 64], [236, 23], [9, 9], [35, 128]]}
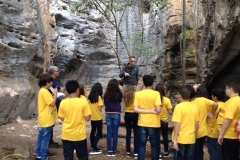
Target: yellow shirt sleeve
{"points": [[60, 111], [176, 114], [169, 104], [100, 102], [47, 97], [158, 100], [87, 110], [230, 111]]}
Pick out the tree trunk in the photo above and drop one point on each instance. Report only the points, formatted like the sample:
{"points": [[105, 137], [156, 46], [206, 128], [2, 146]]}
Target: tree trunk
{"points": [[184, 43], [203, 44]]}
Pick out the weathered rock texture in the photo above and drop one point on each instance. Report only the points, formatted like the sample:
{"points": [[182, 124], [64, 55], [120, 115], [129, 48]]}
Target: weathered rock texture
{"points": [[23, 39], [36, 33]]}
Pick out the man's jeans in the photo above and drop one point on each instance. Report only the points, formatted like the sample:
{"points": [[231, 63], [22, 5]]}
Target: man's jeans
{"points": [[164, 130], [214, 149], [199, 148], [113, 122], [185, 152], [154, 137], [131, 120], [96, 126], [42, 142]]}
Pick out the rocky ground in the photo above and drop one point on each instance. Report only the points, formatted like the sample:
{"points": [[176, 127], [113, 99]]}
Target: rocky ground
{"points": [[17, 142]]}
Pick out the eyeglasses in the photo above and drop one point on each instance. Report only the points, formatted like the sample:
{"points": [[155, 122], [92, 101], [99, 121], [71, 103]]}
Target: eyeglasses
{"points": [[133, 61], [57, 71]]}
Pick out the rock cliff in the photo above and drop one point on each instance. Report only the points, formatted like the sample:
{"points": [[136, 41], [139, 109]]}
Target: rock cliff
{"points": [[37, 33]]}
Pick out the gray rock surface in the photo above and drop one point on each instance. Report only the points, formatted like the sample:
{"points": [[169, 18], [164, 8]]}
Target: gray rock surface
{"points": [[37, 33]]}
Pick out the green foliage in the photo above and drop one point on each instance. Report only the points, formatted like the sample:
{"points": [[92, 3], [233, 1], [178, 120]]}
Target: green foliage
{"points": [[145, 50], [187, 54], [188, 36]]}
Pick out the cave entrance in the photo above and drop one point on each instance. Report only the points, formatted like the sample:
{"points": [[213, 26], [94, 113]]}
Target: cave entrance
{"points": [[231, 71]]}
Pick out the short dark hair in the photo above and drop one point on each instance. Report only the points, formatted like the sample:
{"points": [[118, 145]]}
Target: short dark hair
{"points": [[219, 93], [184, 92], [72, 86], [202, 91], [44, 79], [131, 57], [148, 80], [234, 84], [191, 90]]}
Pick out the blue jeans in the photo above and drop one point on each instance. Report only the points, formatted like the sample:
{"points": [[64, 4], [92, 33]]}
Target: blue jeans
{"points": [[199, 148], [113, 122], [185, 152], [42, 142], [164, 129], [131, 120], [154, 137], [214, 149]]}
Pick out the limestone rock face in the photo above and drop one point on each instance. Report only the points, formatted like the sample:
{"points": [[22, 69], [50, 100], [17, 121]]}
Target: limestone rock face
{"points": [[22, 39]]}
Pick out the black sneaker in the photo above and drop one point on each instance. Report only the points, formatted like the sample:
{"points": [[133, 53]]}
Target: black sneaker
{"points": [[98, 149], [109, 153], [128, 154], [135, 156], [53, 145], [51, 154], [93, 151], [160, 156], [114, 153], [167, 154], [37, 158]]}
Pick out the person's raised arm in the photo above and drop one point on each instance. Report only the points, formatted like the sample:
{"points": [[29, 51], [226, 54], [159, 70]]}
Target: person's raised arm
{"points": [[54, 97], [214, 108]]}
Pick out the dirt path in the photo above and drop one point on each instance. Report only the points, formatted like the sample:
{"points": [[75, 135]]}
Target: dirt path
{"points": [[25, 132]]}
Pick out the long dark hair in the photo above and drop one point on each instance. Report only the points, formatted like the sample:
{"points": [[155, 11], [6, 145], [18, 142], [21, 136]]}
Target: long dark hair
{"points": [[128, 94], [112, 90], [160, 89], [81, 89], [201, 91], [95, 92]]}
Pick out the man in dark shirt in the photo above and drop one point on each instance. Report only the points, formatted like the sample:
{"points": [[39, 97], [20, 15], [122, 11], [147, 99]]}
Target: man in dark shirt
{"points": [[129, 72]]}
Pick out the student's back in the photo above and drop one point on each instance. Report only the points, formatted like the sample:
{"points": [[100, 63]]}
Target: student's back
{"points": [[166, 105], [202, 105], [147, 99], [187, 114], [74, 124]]}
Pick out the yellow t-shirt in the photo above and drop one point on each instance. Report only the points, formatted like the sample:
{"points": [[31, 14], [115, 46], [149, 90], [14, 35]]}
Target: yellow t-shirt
{"points": [[232, 111], [83, 97], [96, 113], [47, 115], [73, 110], [220, 117], [148, 99], [187, 114], [130, 108], [202, 104], [166, 105], [213, 131]]}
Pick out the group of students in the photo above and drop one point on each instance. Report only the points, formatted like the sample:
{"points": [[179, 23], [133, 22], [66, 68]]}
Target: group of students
{"points": [[146, 112]]}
